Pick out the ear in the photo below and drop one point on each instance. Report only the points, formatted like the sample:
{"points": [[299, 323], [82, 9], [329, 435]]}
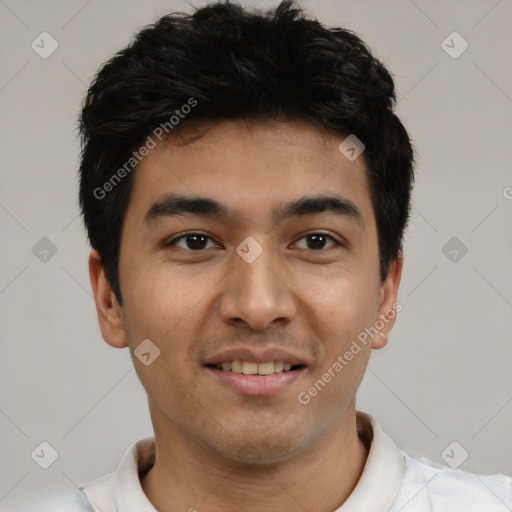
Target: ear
{"points": [[388, 306], [110, 315]]}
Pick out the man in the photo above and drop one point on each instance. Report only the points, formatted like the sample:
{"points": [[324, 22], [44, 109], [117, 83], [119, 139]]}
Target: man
{"points": [[245, 187]]}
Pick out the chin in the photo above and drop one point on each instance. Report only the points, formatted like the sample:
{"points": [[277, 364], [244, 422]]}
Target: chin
{"points": [[262, 450], [261, 455]]}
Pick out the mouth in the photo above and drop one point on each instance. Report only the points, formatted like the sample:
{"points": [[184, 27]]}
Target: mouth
{"points": [[262, 369], [250, 374]]}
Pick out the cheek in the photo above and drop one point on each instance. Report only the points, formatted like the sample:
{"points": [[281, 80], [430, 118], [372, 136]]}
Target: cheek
{"points": [[345, 354], [346, 304], [346, 309], [163, 305], [158, 299]]}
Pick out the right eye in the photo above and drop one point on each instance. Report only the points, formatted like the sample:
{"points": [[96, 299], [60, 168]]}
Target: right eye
{"points": [[190, 241]]}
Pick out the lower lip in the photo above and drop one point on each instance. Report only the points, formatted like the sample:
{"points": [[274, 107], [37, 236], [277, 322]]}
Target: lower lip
{"points": [[258, 385]]}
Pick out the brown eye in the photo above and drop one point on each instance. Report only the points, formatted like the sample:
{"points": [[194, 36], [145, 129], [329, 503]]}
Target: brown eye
{"points": [[191, 241], [318, 241]]}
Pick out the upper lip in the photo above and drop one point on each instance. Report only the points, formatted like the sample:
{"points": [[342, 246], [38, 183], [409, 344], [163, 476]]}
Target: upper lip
{"points": [[261, 355]]}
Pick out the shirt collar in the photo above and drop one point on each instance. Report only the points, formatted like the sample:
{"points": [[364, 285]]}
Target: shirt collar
{"points": [[127, 488], [375, 490], [382, 472]]}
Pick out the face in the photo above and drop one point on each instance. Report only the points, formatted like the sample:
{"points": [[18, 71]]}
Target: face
{"points": [[252, 295]]}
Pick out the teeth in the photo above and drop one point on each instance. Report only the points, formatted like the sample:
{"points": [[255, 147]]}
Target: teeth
{"points": [[266, 368], [278, 366], [249, 368], [253, 368], [236, 366]]}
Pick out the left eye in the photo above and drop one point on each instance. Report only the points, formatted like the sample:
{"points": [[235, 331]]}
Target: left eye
{"points": [[318, 240], [198, 241], [194, 241]]}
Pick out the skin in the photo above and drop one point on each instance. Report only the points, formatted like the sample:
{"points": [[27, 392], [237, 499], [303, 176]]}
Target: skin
{"points": [[215, 448]]}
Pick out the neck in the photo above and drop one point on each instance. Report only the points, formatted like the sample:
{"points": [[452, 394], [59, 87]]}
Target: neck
{"points": [[187, 476]]}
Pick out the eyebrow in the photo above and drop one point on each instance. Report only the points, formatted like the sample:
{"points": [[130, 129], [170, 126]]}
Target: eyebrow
{"points": [[177, 204]]}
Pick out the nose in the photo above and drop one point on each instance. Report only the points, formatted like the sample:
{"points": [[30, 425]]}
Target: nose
{"points": [[257, 293]]}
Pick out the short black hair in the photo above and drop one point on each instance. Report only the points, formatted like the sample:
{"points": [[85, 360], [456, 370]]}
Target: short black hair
{"points": [[224, 62]]}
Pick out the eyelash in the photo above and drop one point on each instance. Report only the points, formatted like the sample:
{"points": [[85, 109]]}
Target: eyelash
{"points": [[173, 241]]}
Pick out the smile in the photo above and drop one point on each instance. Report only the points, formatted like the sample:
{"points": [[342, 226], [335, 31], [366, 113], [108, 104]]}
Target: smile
{"points": [[254, 368], [256, 382]]}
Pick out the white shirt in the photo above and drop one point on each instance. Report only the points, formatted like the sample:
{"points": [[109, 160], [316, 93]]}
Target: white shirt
{"points": [[391, 482]]}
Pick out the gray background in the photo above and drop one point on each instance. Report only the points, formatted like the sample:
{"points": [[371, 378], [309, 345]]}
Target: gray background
{"points": [[446, 373]]}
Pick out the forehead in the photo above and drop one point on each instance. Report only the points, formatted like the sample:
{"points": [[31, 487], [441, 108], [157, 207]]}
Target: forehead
{"points": [[251, 167]]}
